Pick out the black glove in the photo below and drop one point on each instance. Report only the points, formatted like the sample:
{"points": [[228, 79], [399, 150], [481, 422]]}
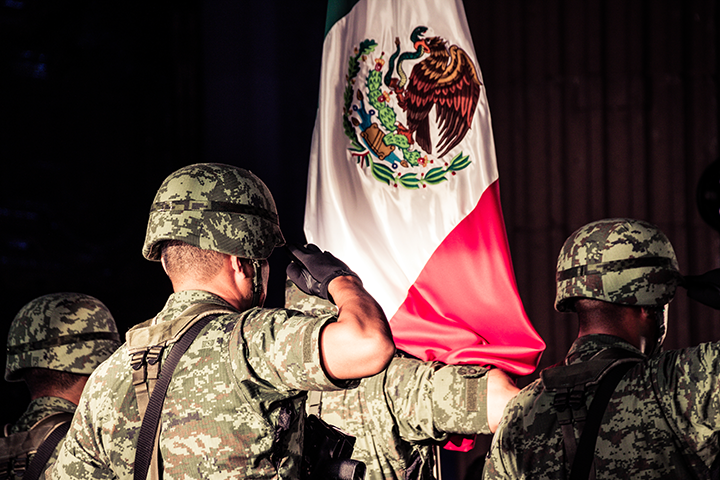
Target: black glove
{"points": [[312, 269], [704, 288]]}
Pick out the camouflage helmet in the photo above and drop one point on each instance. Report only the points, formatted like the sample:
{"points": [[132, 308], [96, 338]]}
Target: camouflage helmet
{"points": [[214, 207], [69, 332], [617, 260]]}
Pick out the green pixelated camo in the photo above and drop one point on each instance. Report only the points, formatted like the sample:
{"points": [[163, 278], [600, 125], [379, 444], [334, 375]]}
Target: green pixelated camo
{"points": [[222, 408], [662, 421], [398, 415], [214, 207], [296, 299], [55, 331], [610, 245]]}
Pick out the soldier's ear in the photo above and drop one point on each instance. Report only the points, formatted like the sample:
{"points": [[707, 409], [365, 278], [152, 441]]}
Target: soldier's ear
{"points": [[162, 262], [241, 266]]}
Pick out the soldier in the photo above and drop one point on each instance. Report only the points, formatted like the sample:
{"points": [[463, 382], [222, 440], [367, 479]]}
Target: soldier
{"points": [[54, 344], [400, 415], [233, 408], [616, 407]]}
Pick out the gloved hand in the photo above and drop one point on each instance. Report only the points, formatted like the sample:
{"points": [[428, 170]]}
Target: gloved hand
{"points": [[312, 269]]}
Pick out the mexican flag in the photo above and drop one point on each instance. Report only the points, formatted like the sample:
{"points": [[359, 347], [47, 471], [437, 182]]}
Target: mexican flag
{"points": [[403, 182]]}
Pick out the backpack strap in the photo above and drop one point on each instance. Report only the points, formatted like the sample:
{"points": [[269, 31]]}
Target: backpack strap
{"points": [[585, 457], [15, 449], [569, 385], [45, 450], [147, 446], [146, 343]]}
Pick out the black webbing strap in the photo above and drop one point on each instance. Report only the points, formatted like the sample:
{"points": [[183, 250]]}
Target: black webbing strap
{"points": [[146, 439], [585, 454], [45, 451]]}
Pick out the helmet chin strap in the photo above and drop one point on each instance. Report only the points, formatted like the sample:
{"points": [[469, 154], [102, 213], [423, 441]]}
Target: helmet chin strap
{"points": [[257, 283]]}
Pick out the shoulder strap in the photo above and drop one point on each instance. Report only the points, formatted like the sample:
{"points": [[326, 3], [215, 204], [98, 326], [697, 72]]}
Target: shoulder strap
{"points": [[45, 451], [585, 454], [16, 448], [147, 446], [146, 342], [569, 384]]}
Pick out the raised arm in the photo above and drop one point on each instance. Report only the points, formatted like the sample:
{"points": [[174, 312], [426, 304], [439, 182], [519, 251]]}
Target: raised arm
{"points": [[360, 343]]}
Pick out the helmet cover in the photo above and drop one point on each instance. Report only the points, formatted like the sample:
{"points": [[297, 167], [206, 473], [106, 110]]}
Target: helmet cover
{"points": [[214, 207], [617, 260], [69, 332]]}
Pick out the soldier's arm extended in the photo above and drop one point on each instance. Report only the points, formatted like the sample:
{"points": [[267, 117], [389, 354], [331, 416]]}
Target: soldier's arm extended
{"points": [[459, 399]]}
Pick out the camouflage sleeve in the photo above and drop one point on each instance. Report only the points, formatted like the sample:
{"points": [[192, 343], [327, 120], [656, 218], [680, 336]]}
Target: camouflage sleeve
{"points": [[430, 400], [283, 349], [502, 459], [687, 384], [92, 444]]}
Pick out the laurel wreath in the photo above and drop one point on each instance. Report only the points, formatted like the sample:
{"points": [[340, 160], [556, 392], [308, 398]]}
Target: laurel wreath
{"points": [[366, 47], [433, 176]]}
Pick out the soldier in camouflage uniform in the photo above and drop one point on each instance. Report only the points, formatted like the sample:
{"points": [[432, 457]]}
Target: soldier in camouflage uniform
{"points": [[663, 417], [399, 415], [54, 344], [234, 407]]}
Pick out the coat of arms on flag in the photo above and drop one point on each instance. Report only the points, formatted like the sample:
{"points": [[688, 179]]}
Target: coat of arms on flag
{"points": [[389, 125], [403, 182]]}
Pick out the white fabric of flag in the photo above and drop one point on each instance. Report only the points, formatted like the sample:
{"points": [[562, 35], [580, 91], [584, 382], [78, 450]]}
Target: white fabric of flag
{"points": [[402, 153]]}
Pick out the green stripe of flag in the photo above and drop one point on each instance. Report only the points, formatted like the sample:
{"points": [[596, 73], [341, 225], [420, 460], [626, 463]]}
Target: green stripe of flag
{"points": [[336, 10]]}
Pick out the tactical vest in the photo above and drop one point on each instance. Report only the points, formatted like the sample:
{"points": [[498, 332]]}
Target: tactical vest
{"points": [[146, 343], [19, 451], [569, 385]]}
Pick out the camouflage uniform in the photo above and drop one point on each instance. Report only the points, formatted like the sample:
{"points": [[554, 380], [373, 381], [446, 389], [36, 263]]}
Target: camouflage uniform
{"points": [[37, 410], [663, 418], [398, 415], [66, 332], [222, 409], [668, 404], [234, 407]]}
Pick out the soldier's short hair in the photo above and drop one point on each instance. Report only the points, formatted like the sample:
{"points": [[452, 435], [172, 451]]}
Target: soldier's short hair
{"points": [[41, 380], [182, 259]]}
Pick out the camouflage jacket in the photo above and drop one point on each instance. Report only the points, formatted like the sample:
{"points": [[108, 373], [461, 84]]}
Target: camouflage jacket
{"points": [[36, 411], [662, 421], [241, 382], [397, 415]]}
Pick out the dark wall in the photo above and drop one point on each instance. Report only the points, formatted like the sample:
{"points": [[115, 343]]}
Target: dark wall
{"points": [[100, 101], [602, 109]]}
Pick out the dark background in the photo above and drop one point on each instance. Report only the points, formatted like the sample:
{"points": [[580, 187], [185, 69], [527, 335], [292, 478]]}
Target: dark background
{"points": [[600, 108]]}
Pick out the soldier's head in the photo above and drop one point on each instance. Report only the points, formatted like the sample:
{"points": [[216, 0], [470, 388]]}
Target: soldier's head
{"points": [[55, 338], [205, 212], [620, 261]]}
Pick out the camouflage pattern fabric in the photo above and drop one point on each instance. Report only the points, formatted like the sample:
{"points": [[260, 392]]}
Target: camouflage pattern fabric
{"points": [[69, 332], [223, 406], [397, 415], [662, 421], [214, 207], [617, 260], [37, 410]]}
